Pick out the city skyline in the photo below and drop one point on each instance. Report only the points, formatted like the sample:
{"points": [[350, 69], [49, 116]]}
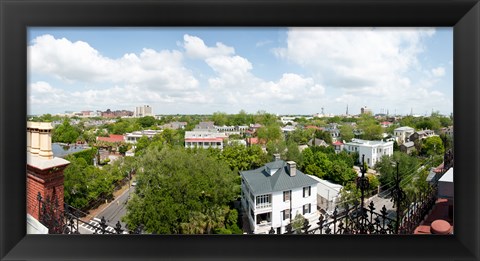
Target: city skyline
{"points": [[287, 71]]}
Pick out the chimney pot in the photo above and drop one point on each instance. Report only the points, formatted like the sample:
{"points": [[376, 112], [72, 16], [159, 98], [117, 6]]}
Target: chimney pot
{"points": [[292, 168]]}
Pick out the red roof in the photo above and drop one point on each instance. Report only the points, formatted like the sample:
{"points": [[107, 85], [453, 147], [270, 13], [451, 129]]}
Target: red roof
{"points": [[112, 138], [255, 140], [337, 143]]}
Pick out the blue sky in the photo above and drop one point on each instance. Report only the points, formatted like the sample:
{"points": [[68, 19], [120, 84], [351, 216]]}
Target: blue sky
{"points": [[181, 70]]}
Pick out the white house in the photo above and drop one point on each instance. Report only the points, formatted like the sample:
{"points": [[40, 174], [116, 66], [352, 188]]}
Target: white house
{"points": [[403, 133], [328, 194], [204, 139], [274, 194], [373, 150], [136, 135]]}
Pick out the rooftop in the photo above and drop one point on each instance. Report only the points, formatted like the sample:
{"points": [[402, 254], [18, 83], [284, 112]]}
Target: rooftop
{"points": [[404, 128], [368, 142], [111, 138], [261, 182]]}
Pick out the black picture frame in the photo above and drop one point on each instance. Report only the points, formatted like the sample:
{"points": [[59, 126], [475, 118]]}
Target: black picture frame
{"points": [[17, 15]]}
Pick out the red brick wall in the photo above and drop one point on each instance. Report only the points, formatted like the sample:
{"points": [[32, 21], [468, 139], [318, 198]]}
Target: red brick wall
{"points": [[46, 182]]}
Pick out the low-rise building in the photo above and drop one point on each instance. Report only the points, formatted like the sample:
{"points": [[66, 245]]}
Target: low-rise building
{"points": [[328, 195], [175, 125], [136, 135], [407, 147], [402, 134], [338, 146], [423, 134], [274, 194], [447, 131], [373, 150], [204, 139]]}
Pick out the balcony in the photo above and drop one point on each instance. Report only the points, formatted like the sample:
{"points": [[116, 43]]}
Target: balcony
{"points": [[263, 205]]}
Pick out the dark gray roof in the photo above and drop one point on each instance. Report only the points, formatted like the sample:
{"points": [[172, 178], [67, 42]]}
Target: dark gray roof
{"points": [[261, 182]]}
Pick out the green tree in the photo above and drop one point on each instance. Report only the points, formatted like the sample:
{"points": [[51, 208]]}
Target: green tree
{"points": [[181, 192], [141, 145], [432, 146], [388, 171], [297, 223], [341, 173], [324, 135], [265, 118], [349, 195], [429, 123], [147, 121], [65, 133], [373, 182], [271, 132], [220, 118], [346, 132], [276, 147], [300, 136], [237, 157], [370, 127], [293, 153]]}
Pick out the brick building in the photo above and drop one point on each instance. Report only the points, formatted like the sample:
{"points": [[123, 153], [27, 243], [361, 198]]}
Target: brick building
{"points": [[44, 172]]}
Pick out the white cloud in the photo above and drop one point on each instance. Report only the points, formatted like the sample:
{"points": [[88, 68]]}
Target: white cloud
{"points": [[365, 66], [330, 67], [234, 83], [79, 62], [438, 72], [196, 48], [354, 58]]}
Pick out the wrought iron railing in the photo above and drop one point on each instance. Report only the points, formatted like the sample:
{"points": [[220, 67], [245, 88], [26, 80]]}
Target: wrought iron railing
{"points": [[357, 220], [68, 221]]}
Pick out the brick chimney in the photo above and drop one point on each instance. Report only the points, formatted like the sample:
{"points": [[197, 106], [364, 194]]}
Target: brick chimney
{"points": [[292, 168], [44, 172]]}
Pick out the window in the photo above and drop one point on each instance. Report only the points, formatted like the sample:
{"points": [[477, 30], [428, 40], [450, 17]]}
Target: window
{"points": [[306, 191], [286, 214], [286, 195], [306, 208], [263, 201]]}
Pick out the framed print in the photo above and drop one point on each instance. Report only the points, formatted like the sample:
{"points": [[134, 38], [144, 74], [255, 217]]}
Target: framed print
{"points": [[25, 34]]}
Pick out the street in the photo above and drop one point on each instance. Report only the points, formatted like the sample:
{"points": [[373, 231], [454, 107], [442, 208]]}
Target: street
{"points": [[116, 209]]}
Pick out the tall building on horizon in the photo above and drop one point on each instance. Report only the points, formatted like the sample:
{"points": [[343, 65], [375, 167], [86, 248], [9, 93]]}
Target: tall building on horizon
{"points": [[143, 111]]}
